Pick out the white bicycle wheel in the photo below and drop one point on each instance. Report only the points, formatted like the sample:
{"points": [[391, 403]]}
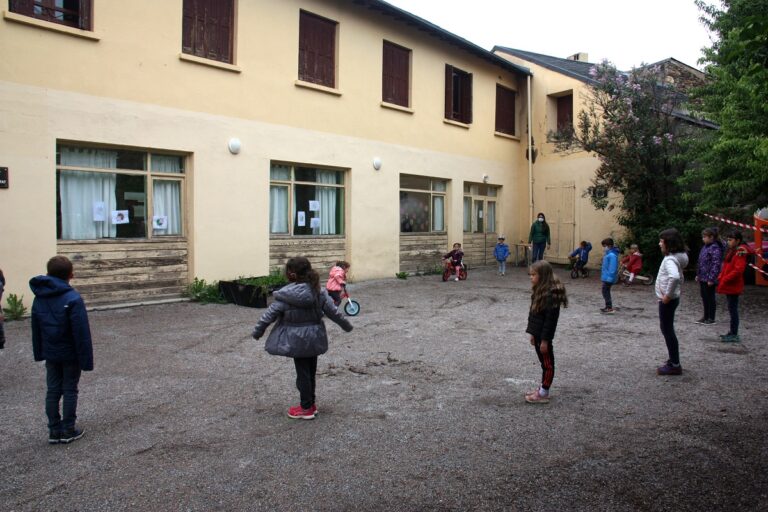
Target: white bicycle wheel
{"points": [[352, 307]]}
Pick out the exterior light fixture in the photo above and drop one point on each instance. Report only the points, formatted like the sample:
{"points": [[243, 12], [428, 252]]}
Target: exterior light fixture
{"points": [[234, 145], [376, 163]]}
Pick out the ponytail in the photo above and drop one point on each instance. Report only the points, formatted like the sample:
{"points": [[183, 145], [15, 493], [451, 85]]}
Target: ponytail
{"points": [[301, 268]]}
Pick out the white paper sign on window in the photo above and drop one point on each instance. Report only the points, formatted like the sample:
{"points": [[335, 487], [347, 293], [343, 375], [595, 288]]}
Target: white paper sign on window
{"points": [[314, 222], [99, 211], [314, 206], [120, 217], [480, 214], [160, 222], [301, 219]]}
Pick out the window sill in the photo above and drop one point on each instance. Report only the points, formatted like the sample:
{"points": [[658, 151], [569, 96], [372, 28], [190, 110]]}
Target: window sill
{"points": [[395, 106], [284, 236], [506, 136], [208, 62], [54, 27], [116, 241], [316, 87], [456, 123]]}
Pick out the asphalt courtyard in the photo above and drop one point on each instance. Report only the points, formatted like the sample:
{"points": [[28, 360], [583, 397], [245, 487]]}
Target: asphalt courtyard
{"points": [[421, 409]]}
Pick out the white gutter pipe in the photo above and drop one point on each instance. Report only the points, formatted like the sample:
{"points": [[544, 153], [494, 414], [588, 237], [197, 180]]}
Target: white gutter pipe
{"points": [[530, 152]]}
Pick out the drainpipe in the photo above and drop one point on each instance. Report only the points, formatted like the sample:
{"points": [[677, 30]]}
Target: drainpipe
{"points": [[530, 153]]}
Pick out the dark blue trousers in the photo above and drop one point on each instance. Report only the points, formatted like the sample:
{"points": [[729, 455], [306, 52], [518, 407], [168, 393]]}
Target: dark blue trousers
{"points": [[667, 323], [62, 380], [733, 310]]}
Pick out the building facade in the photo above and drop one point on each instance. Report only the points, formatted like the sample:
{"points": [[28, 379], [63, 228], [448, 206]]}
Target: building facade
{"points": [[217, 138]]}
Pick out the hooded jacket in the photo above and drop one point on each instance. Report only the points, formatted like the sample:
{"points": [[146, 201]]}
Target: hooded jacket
{"points": [[60, 329], [337, 279], [582, 253], [710, 262], [609, 272], [501, 251], [669, 280], [731, 278], [300, 330]]}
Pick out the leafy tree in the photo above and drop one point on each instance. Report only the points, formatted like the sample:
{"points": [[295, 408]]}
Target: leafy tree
{"points": [[629, 124], [731, 175]]}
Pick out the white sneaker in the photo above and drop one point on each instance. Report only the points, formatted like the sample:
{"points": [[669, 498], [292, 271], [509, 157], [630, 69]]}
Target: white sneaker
{"points": [[455, 278]]}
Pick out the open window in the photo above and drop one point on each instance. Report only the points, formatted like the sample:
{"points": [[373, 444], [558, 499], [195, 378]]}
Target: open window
{"points": [[71, 13]]}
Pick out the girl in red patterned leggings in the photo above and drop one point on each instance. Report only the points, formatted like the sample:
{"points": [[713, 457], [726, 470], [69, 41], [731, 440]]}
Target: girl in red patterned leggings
{"points": [[548, 293]]}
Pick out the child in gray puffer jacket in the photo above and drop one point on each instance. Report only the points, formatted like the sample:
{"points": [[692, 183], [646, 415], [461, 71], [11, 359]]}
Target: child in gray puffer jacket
{"points": [[300, 331]]}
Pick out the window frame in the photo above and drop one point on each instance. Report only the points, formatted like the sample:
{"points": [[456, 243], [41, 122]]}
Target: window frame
{"points": [[318, 64], [291, 183], [396, 74], [84, 12], [506, 99], [224, 49], [149, 176], [431, 192], [564, 109], [458, 89], [486, 194]]}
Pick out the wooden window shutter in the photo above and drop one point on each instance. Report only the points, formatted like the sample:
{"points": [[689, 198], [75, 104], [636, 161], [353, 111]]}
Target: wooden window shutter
{"points": [[448, 91], [395, 71], [317, 50], [565, 112], [207, 29], [466, 98], [505, 110], [86, 14], [26, 7], [188, 26]]}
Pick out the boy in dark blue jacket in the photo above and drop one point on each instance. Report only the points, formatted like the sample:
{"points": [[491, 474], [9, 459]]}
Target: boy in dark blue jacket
{"points": [[61, 337]]}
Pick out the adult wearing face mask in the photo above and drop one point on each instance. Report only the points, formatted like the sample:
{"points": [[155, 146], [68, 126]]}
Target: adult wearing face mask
{"points": [[539, 237]]}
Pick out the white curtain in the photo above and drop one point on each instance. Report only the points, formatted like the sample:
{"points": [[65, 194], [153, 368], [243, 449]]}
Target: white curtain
{"points": [[278, 209], [166, 201], [491, 220], [467, 214], [81, 191], [438, 213], [328, 204], [166, 163]]}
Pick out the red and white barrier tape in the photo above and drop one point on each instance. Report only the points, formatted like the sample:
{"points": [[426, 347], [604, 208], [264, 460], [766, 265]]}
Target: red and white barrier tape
{"points": [[735, 223], [758, 269]]}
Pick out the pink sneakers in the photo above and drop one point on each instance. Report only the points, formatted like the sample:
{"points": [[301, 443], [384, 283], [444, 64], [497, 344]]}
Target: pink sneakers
{"points": [[536, 398], [296, 412]]}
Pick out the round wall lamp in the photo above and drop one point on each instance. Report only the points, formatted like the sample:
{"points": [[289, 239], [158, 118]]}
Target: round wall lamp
{"points": [[376, 163], [486, 178], [234, 145]]}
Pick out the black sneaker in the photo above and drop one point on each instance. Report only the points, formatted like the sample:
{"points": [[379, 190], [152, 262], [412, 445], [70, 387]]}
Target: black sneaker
{"points": [[702, 321], [71, 435], [54, 437]]}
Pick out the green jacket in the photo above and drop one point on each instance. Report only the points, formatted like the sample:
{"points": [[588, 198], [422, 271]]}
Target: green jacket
{"points": [[539, 233]]}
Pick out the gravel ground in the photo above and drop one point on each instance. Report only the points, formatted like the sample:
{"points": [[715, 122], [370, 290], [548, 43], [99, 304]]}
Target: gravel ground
{"points": [[421, 408]]}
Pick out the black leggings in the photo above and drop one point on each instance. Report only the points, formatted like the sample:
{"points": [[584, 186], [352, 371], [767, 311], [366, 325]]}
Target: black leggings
{"points": [[306, 368]]}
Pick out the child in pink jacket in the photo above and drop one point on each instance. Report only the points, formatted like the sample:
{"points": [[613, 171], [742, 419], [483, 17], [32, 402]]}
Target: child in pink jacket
{"points": [[337, 280]]}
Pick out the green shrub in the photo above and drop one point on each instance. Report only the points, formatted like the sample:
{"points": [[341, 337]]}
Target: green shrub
{"points": [[16, 308], [200, 291], [401, 275]]}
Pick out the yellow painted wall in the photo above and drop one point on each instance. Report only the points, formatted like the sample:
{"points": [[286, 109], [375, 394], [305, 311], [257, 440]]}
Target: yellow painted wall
{"points": [[130, 88], [552, 167]]}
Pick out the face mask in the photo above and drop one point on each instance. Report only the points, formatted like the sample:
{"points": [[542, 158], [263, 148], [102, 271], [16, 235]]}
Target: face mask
{"points": [[540, 219]]}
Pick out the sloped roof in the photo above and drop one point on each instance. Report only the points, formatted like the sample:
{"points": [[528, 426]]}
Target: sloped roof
{"points": [[572, 68], [423, 25]]}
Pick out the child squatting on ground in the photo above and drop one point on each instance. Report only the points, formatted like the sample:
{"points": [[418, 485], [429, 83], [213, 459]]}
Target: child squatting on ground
{"points": [[609, 272], [547, 295], [731, 281], [633, 262], [454, 258], [300, 332], [337, 281], [501, 253], [61, 336], [669, 284]]}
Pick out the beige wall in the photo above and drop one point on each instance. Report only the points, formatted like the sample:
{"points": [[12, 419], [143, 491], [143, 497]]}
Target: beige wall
{"points": [[553, 168], [129, 88]]}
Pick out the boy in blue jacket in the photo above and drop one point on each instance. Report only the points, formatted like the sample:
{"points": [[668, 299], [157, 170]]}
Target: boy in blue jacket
{"points": [[580, 255], [609, 273], [61, 337], [501, 253]]}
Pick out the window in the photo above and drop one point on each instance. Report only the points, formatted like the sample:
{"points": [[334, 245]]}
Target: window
{"points": [[208, 29], [102, 193], [458, 95], [72, 13], [565, 113], [505, 110], [396, 71], [480, 208], [317, 50], [305, 200], [422, 204]]}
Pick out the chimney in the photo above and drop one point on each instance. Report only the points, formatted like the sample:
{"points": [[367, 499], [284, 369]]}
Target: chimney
{"points": [[579, 57]]}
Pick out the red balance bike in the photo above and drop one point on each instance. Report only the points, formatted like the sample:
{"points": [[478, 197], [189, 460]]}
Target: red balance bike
{"points": [[449, 271]]}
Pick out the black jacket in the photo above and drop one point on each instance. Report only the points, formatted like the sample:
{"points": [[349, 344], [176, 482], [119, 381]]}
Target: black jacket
{"points": [[60, 329], [542, 325]]}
